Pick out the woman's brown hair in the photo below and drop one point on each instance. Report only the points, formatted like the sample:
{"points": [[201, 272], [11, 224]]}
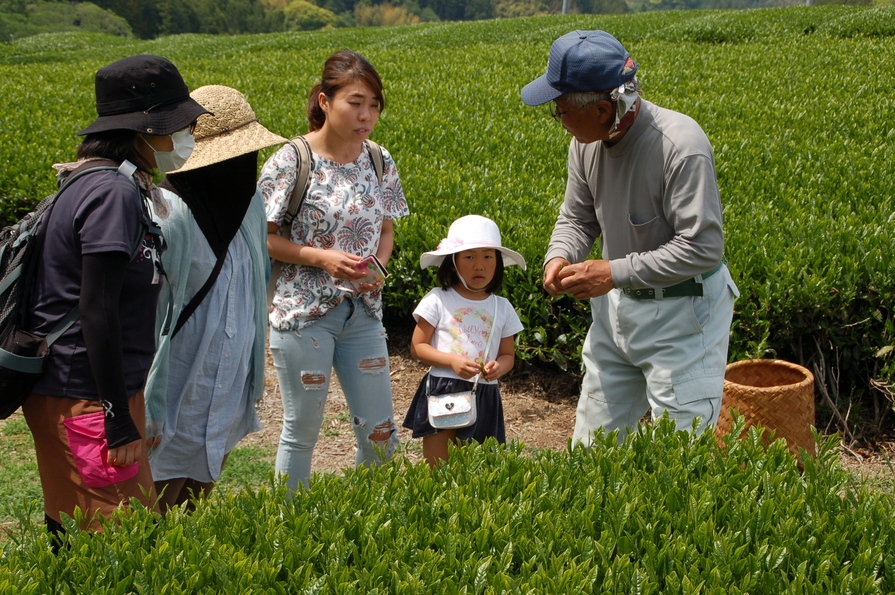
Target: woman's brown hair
{"points": [[341, 69]]}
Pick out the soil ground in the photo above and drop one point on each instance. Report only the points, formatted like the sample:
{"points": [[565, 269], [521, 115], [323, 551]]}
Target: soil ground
{"points": [[539, 408]]}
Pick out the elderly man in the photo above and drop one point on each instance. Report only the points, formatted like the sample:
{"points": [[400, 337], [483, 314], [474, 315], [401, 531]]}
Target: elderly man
{"points": [[642, 178]]}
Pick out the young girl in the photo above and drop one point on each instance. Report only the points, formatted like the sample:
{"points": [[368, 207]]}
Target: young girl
{"points": [[454, 324]]}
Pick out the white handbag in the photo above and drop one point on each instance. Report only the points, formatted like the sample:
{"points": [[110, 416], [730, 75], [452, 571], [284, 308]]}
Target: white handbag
{"points": [[452, 410], [457, 410]]}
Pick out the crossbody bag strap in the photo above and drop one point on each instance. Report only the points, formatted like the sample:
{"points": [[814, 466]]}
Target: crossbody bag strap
{"points": [[200, 295], [478, 376], [488, 342]]}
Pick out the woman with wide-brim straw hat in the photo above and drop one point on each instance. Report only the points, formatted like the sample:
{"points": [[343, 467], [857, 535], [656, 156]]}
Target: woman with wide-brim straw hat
{"points": [[209, 369], [101, 255]]}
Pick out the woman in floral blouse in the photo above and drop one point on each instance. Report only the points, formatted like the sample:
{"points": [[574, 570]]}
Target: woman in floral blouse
{"points": [[324, 315]]}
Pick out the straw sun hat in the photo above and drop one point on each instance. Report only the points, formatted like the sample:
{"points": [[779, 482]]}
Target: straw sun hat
{"points": [[468, 233], [230, 130]]}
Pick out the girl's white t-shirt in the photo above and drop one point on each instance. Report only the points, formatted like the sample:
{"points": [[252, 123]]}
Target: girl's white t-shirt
{"points": [[462, 325]]}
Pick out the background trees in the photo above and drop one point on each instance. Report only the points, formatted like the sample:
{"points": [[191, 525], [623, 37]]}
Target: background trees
{"points": [[148, 19]]}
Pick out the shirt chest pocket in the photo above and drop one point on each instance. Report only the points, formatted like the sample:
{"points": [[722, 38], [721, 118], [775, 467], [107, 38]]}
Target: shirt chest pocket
{"points": [[648, 232]]}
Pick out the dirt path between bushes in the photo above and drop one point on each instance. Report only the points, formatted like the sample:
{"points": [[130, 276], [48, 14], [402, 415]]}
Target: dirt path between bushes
{"points": [[539, 408]]}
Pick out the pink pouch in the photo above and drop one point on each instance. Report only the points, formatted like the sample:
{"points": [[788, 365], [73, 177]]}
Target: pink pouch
{"points": [[87, 441]]}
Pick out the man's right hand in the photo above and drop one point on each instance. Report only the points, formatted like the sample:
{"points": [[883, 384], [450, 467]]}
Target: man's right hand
{"points": [[551, 276]]}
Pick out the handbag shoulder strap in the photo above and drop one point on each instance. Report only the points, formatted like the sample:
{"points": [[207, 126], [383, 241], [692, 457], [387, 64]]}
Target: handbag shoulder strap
{"points": [[200, 295]]}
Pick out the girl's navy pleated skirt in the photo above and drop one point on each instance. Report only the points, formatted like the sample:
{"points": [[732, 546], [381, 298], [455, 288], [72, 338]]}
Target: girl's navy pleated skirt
{"points": [[489, 410]]}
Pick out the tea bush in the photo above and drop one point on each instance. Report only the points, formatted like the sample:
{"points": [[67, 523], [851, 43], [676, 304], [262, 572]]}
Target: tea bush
{"points": [[797, 102], [661, 513]]}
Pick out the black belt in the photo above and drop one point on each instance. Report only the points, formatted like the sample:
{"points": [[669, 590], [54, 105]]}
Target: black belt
{"points": [[690, 287]]}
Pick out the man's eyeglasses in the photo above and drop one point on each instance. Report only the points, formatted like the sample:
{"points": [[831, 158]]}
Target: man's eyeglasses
{"points": [[556, 113]]}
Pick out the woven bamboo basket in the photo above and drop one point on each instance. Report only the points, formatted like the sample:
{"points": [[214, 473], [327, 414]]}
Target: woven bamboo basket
{"points": [[772, 393]]}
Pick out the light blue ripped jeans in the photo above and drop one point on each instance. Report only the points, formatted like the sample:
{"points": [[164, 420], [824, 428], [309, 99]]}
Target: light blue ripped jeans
{"points": [[353, 343]]}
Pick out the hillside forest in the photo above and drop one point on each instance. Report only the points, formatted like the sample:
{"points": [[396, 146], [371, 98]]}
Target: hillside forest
{"points": [[148, 19]]}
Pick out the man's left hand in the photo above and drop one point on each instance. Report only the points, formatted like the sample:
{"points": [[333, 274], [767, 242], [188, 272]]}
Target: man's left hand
{"points": [[587, 279]]}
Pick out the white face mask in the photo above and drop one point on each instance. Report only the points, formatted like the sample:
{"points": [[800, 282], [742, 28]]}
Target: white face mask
{"points": [[168, 161]]}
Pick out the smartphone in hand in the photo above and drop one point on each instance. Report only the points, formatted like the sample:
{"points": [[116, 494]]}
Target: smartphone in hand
{"points": [[372, 269]]}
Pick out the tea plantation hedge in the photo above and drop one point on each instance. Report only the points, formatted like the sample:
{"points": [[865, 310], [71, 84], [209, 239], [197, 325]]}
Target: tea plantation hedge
{"points": [[798, 103], [661, 513]]}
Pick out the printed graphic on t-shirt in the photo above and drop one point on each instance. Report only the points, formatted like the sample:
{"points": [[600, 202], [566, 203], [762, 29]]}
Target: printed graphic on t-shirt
{"points": [[469, 328]]}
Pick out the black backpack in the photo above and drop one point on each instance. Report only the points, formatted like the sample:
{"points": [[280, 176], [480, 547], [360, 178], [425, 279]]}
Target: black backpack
{"points": [[22, 353]]}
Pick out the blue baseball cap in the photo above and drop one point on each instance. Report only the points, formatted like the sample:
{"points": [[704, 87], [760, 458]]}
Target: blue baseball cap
{"points": [[580, 62]]}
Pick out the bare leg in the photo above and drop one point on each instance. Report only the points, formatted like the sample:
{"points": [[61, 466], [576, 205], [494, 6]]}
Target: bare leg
{"points": [[169, 492], [182, 490], [435, 446]]}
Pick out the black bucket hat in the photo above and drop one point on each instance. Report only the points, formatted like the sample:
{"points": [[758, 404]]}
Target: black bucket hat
{"points": [[145, 94]]}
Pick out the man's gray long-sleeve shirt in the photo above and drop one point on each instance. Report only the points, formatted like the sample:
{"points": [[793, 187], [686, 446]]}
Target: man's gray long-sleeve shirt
{"points": [[653, 198]]}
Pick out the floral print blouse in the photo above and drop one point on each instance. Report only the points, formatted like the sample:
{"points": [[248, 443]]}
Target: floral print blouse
{"points": [[344, 209]]}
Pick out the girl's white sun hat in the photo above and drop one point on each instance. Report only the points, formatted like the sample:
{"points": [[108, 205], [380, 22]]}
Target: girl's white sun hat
{"points": [[468, 233]]}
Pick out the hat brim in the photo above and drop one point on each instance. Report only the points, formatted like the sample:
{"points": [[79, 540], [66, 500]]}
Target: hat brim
{"points": [[232, 143], [539, 91], [160, 121], [435, 257]]}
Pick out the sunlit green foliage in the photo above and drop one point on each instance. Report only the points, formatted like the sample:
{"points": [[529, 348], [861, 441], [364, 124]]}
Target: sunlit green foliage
{"points": [[798, 103], [20, 19], [662, 513]]}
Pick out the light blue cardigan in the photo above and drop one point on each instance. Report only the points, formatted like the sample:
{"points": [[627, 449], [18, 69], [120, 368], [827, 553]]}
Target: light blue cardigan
{"points": [[178, 232]]}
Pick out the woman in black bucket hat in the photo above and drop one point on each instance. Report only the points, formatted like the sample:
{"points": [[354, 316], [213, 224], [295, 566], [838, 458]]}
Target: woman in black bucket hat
{"points": [[102, 258]]}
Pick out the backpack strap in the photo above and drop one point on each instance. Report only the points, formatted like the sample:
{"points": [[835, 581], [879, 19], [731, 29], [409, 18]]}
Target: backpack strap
{"points": [[296, 199], [126, 168], [303, 173], [302, 178], [45, 207], [376, 158]]}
